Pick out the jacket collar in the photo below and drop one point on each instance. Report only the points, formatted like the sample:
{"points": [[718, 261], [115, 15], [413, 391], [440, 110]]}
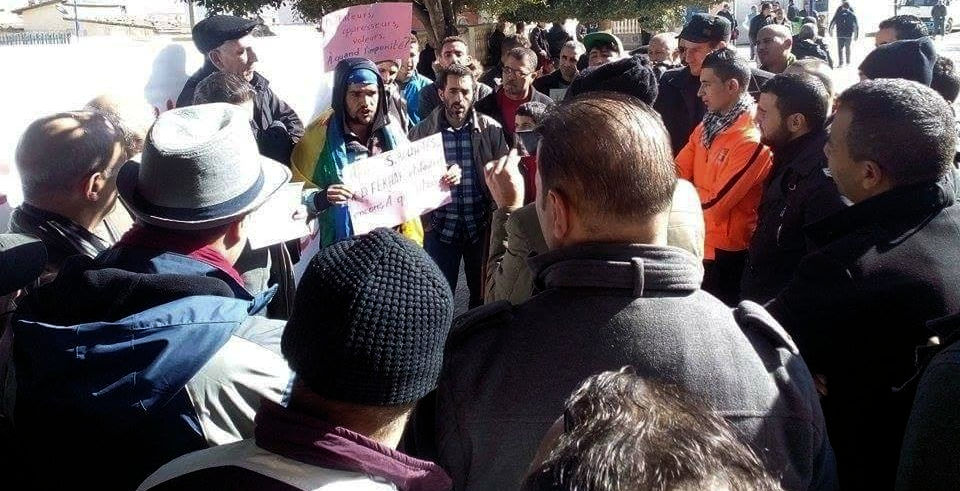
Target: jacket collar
{"points": [[803, 155], [898, 203], [313, 441], [58, 232], [438, 121], [637, 267]]}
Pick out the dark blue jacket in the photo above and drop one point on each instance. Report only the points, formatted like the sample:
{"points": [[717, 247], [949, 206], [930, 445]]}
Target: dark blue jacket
{"points": [[132, 359]]}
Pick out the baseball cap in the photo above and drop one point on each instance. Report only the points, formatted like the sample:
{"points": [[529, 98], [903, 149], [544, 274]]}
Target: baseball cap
{"points": [[594, 38], [22, 259], [706, 28]]}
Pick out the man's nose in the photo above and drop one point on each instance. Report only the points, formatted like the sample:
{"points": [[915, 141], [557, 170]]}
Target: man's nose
{"points": [[252, 56]]}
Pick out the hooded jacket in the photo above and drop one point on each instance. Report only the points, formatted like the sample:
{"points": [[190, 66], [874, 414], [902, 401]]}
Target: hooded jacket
{"points": [[139, 356], [728, 176], [318, 160]]}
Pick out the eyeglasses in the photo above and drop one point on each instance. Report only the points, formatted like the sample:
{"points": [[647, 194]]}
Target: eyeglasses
{"points": [[510, 71]]}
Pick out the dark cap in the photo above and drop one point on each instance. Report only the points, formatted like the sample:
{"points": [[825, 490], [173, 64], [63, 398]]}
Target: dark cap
{"points": [[22, 259], [631, 76], [911, 59], [215, 30], [594, 39], [706, 28]]}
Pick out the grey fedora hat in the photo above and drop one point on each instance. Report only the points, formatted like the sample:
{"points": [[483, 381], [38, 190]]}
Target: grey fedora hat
{"points": [[200, 168]]}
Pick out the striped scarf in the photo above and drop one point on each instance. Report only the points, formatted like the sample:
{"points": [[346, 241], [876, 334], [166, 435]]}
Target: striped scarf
{"points": [[715, 122]]}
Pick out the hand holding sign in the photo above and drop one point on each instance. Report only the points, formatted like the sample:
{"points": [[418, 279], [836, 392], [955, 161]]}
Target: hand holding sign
{"points": [[452, 177]]}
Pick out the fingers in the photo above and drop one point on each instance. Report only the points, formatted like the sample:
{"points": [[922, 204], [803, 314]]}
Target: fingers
{"points": [[338, 194]]}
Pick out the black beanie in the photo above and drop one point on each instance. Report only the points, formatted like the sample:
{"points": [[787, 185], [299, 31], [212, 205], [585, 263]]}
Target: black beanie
{"points": [[370, 322], [630, 76], [912, 59]]}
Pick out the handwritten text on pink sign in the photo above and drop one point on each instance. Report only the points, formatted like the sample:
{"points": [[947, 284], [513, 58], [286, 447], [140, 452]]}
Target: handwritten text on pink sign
{"points": [[377, 32]]}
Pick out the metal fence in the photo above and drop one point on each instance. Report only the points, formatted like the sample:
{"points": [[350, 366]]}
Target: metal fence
{"points": [[35, 38]]}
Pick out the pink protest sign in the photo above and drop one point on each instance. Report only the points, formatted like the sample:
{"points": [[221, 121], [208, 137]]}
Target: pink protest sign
{"points": [[397, 186], [377, 32]]}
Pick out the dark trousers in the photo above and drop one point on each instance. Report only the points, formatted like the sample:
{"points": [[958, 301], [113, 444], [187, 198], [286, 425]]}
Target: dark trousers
{"points": [[722, 276], [448, 256], [843, 46], [939, 27]]}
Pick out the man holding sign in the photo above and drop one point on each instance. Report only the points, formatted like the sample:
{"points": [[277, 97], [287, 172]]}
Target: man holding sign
{"points": [[356, 127], [459, 230]]}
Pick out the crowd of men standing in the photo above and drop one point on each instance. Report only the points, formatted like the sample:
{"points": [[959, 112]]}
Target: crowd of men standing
{"points": [[684, 271]]}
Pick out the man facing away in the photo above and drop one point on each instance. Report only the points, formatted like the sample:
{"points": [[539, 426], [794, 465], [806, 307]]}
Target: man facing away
{"points": [[791, 115], [727, 163], [154, 349], [847, 29], [678, 101], [613, 294], [458, 231], [68, 165], [362, 363], [226, 43], [881, 269]]}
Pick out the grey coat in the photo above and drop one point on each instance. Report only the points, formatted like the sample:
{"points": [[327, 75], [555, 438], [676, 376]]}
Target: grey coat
{"points": [[508, 369]]}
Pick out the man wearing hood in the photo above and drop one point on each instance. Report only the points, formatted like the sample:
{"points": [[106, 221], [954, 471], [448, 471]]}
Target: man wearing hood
{"points": [[225, 41], [356, 127], [910, 60]]}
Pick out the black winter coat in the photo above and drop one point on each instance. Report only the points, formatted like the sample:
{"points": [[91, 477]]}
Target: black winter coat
{"points": [[858, 307], [812, 49], [796, 194], [277, 126], [682, 110]]}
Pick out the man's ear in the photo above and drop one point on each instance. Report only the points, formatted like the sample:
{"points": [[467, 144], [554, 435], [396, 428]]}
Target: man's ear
{"points": [[92, 187], [872, 176], [561, 215], [796, 122], [733, 85], [789, 43], [214, 57]]}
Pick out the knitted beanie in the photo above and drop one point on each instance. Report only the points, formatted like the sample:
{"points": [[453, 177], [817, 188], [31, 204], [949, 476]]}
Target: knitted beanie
{"points": [[630, 76], [370, 322], [912, 59]]}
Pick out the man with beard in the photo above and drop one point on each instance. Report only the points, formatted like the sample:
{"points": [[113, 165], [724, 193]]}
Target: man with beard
{"points": [[458, 230], [774, 48], [678, 102], [356, 127], [791, 114], [561, 79], [517, 89], [226, 43]]}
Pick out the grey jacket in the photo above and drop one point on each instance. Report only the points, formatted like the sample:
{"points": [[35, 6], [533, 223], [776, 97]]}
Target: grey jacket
{"points": [[489, 142], [515, 236], [508, 369]]}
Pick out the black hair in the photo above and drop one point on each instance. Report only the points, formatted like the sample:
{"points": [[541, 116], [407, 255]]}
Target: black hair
{"points": [[454, 70], [532, 110], [906, 26], [800, 94], [624, 432], [728, 65], [514, 41], [906, 128], [526, 55], [223, 87], [945, 80]]}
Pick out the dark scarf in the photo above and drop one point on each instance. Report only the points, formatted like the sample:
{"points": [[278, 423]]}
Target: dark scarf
{"points": [[61, 236], [715, 123]]}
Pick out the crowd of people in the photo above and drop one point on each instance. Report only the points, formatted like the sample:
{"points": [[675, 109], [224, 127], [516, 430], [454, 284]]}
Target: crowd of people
{"points": [[684, 272]]}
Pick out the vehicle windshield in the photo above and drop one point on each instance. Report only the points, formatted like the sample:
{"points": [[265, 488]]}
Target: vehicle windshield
{"points": [[919, 3]]}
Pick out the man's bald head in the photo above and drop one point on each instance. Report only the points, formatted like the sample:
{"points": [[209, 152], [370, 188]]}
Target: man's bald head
{"points": [[662, 47], [816, 68], [773, 46], [134, 115], [58, 155]]}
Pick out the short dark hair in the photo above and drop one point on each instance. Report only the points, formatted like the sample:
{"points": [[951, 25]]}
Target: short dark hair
{"points": [[945, 80], [514, 41], [906, 128], [526, 55], [800, 94], [624, 432], [452, 39], [727, 64], [454, 70], [627, 174], [223, 87], [765, 5], [532, 110], [906, 26], [606, 45]]}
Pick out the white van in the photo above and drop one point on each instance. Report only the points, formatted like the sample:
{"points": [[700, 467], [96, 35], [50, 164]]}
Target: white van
{"points": [[922, 8]]}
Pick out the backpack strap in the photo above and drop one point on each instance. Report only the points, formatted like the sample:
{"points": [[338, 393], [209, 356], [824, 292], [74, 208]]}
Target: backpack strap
{"points": [[733, 181]]}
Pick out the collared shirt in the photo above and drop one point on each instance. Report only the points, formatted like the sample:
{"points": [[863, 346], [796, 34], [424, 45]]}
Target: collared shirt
{"points": [[462, 220]]}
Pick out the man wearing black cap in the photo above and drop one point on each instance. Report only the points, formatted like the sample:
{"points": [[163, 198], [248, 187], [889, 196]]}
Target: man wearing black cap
{"points": [[910, 60], [678, 103], [225, 42]]}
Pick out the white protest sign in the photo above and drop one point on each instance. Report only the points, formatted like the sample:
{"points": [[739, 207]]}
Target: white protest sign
{"points": [[397, 186], [377, 32], [279, 219]]}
